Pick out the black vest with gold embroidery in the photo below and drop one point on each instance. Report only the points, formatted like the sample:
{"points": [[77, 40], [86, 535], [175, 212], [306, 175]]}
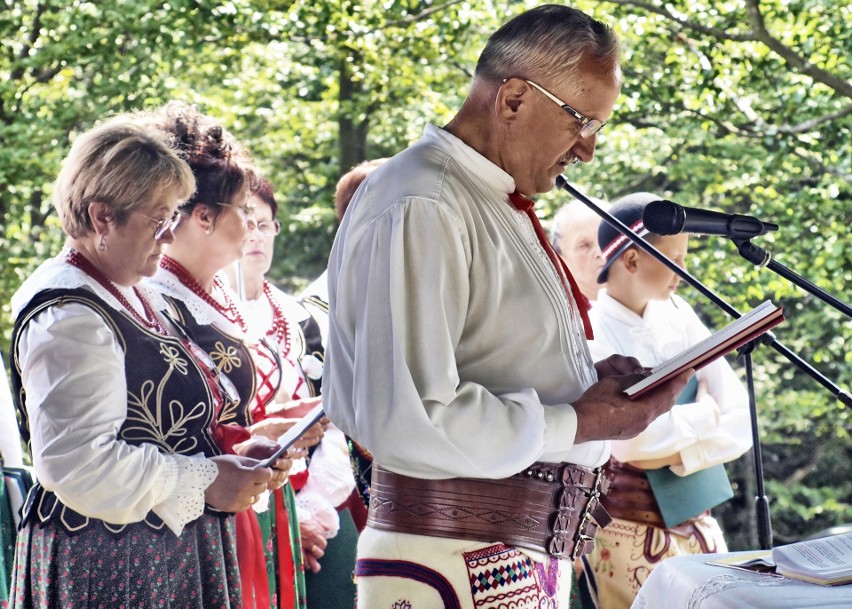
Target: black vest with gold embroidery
{"points": [[169, 401], [230, 355]]}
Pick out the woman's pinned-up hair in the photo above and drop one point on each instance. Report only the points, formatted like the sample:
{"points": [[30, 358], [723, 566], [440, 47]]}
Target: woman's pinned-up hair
{"points": [[220, 163]]}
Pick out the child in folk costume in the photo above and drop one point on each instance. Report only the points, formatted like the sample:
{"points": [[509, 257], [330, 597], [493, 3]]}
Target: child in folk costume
{"points": [[639, 315]]}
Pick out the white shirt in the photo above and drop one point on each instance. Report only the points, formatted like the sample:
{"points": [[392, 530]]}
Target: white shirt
{"points": [[713, 430], [330, 479], [453, 350], [72, 367], [10, 439], [296, 363]]}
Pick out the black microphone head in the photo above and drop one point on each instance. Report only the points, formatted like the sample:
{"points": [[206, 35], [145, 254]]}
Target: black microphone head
{"points": [[664, 217]]}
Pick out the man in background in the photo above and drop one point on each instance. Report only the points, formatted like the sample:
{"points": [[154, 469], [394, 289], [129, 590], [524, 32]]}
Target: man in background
{"points": [[575, 239]]}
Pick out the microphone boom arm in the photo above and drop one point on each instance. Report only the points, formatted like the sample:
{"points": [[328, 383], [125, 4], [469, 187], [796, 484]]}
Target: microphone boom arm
{"points": [[645, 245], [760, 257], [764, 526]]}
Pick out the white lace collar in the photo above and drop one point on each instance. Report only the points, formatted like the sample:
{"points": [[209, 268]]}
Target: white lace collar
{"points": [[202, 311], [57, 273]]}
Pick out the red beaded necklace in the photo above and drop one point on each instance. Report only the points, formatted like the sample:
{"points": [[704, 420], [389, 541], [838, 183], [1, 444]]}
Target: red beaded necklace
{"points": [[280, 329], [229, 310], [150, 320]]}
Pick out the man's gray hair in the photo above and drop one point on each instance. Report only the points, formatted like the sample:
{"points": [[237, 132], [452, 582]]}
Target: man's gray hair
{"points": [[548, 41]]}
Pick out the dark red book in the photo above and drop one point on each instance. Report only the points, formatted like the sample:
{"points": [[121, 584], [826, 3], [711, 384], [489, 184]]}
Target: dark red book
{"points": [[737, 333]]}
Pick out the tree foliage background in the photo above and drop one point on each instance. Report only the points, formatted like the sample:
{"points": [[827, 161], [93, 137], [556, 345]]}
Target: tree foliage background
{"points": [[740, 106]]}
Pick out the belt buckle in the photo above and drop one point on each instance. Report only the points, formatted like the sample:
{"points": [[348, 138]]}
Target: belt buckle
{"points": [[581, 536]]}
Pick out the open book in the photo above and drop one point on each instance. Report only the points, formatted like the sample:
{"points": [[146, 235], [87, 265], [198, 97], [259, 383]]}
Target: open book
{"points": [[826, 561], [737, 333]]}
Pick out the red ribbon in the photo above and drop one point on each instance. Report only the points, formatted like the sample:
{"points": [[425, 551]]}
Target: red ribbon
{"points": [[521, 203]]}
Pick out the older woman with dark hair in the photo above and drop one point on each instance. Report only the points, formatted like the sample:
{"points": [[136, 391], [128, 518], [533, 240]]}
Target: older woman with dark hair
{"points": [[133, 496], [217, 219], [326, 490]]}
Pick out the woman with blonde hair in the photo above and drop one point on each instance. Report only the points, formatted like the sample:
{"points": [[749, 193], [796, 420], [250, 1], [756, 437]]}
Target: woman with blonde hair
{"points": [[133, 501]]}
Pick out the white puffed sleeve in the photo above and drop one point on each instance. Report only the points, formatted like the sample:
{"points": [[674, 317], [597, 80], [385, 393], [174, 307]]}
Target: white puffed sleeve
{"points": [[73, 373]]}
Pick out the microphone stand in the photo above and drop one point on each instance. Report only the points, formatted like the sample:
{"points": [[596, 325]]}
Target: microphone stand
{"points": [[761, 258], [764, 526]]}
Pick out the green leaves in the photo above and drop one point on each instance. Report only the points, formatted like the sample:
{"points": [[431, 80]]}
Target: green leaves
{"points": [[735, 106]]}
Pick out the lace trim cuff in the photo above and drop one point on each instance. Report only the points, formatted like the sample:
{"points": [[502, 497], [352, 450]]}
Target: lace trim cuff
{"points": [[314, 507], [185, 501]]}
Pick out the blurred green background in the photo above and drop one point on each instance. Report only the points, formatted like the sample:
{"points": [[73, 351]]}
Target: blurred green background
{"points": [[740, 106]]}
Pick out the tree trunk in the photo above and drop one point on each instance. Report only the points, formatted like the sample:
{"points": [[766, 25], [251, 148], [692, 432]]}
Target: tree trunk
{"points": [[353, 132]]}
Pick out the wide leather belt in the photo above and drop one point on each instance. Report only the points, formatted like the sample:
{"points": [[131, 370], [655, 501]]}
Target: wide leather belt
{"points": [[630, 496], [552, 508]]}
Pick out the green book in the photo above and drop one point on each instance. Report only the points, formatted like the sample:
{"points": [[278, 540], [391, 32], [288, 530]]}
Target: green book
{"points": [[683, 497]]}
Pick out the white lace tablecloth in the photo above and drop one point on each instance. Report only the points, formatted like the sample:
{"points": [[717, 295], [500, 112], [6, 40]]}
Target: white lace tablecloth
{"points": [[688, 582]]}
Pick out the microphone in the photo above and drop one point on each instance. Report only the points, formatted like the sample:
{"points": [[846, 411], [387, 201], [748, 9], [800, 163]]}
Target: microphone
{"points": [[667, 218]]}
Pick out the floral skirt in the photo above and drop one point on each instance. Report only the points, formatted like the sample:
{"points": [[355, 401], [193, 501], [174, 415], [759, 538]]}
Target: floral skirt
{"points": [[141, 567]]}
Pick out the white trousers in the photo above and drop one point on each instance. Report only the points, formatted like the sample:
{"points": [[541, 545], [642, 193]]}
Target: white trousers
{"points": [[401, 571]]}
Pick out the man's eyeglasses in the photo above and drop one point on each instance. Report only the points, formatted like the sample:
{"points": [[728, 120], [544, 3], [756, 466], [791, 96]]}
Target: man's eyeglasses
{"points": [[165, 225], [589, 126], [269, 228], [247, 209]]}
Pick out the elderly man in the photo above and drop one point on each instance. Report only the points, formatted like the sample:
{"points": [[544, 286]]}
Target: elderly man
{"points": [[575, 239], [457, 350]]}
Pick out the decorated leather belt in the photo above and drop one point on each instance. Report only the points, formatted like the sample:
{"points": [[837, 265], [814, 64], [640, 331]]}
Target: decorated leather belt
{"points": [[552, 508], [630, 496]]}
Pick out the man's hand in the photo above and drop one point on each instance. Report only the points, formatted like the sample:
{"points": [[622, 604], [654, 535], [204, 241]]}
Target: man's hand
{"points": [[618, 365], [604, 412]]}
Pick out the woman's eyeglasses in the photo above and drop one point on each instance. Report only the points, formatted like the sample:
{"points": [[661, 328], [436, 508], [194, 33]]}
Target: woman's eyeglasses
{"points": [[269, 228], [165, 225], [247, 209]]}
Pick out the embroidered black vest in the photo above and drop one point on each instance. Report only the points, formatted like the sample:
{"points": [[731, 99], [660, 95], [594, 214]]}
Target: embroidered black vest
{"points": [[169, 402], [230, 355]]}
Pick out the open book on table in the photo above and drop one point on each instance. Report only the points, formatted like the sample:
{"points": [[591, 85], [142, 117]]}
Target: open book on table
{"points": [[826, 561], [756, 322]]}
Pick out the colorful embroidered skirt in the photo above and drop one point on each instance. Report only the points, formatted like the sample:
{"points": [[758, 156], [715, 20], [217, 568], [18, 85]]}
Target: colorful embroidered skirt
{"points": [[140, 568], [283, 549]]}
